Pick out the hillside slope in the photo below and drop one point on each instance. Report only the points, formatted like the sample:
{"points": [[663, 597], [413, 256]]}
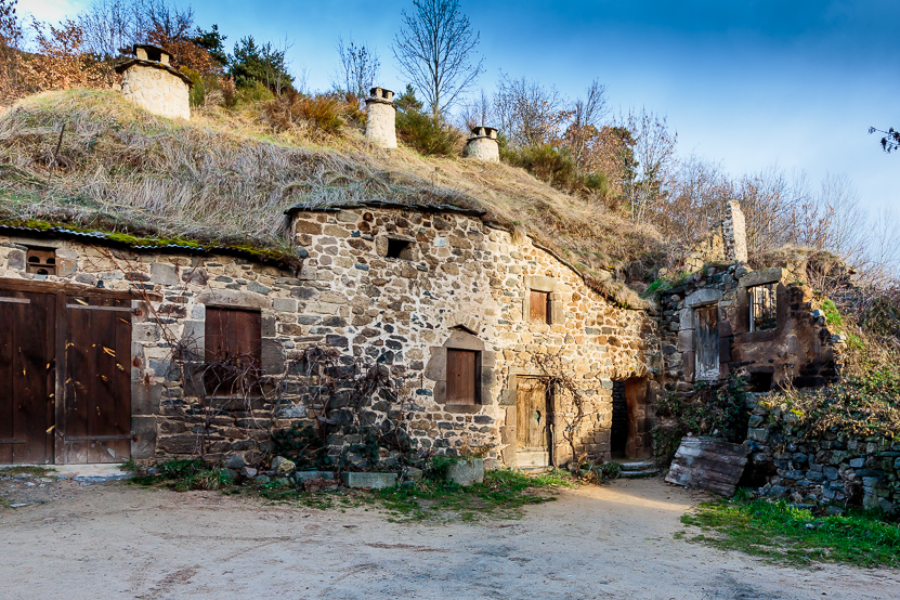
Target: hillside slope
{"points": [[226, 178]]}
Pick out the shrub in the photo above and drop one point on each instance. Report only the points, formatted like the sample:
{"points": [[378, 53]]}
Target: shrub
{"points": [[547, 163], [320, 113], [426, 136]]}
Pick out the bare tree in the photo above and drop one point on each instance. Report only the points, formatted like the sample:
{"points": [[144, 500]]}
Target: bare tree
{"points": [[587, 116], [436, 50], [358, 68], [530, 113], [478, 112], [654, 151], [12, 38]]}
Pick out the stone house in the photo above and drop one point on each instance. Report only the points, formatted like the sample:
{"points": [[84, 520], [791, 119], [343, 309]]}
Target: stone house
{"points": [[476, 326]]}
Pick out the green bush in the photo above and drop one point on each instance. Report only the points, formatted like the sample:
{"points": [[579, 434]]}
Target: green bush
{"points": [[548, 164], [426, 136]]}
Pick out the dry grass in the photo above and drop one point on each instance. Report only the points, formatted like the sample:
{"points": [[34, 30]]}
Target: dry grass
{"points": [[228, 177]]}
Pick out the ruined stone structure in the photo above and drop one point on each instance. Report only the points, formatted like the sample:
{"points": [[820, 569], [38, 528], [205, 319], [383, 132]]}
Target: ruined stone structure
{"points": [[483, 144], [149, 81], [461, 314], [727, 320], [726, 242], [381, 116]]}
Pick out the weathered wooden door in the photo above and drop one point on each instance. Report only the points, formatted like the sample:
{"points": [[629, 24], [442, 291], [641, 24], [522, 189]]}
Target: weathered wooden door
{"points": [[98, 380], [461, 377], [707, 343], [533, 424], [27, 377]]}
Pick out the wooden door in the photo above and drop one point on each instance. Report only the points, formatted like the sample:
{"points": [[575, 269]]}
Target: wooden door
{"points": [[98, 380], [233, 348], [533, 420], [462, 377], [707, 343], [540, 307], [27, 377]]}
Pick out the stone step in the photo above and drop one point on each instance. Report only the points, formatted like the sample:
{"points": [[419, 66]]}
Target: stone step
{"points": [[638, 465], [639, 474]]}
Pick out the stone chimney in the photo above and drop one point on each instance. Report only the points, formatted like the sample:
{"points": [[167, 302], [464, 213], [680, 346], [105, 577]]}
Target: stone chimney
{"points": [[381, 116], [734, 232], [483, 144], [150, 81]]}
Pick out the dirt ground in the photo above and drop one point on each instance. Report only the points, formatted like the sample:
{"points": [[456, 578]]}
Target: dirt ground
{"points": [[116, 541]]}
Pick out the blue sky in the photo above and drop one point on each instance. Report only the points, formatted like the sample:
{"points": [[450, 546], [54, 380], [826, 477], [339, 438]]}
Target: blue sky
{"points": [[749, 84]]}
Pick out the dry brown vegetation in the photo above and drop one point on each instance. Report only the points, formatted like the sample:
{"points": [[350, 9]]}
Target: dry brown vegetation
{"points": [[229, 176]]}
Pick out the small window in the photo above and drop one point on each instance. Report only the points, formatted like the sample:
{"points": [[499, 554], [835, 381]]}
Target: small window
{"points": [[462, 377], [233, 356], [41, 262], [763, 313], [540, 307], [402, 249]]}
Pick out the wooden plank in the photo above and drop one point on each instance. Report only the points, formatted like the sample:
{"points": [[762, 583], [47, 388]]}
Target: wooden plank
{"points": [[105, 397], [59, 446], [707, 343], [33, 363], [78, 385], [100, 308], [122, 366], [46, 287], [706, 464], [461, 376], [8, 316]]}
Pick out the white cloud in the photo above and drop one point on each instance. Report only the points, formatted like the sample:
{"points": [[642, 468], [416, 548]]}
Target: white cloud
{"points": [[51, 10]]}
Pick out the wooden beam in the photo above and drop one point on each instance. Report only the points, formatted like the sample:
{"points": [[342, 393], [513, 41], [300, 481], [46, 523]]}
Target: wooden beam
{"points": [[72, 289]]}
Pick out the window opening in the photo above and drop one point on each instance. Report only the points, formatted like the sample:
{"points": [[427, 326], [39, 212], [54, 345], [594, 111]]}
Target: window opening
{"points": [[402, 249], [763, 313], [41, 262], [462, 376], [761, 382], [233, 351], [540, 307]]}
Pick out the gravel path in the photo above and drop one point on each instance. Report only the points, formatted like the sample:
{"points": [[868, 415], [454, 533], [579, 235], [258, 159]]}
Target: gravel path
{"points": [[116, 541]]}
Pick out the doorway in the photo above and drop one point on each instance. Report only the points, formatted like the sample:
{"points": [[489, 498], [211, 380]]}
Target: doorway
{"points": [[534, 424], [65, 375], [632, 420]]}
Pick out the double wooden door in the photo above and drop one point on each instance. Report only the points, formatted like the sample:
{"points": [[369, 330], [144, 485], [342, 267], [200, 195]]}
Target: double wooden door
{"points": [[534, 424], [65, 378]]}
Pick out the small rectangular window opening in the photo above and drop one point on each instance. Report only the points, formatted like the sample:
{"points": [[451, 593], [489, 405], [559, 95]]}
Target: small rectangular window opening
{"points": [[761, 382], [41, 261], [402, 249], [540, 307], [462, 377], [763, 309]]}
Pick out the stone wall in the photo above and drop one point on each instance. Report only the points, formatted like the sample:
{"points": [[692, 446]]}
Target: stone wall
{"points": [[838, 470], [157, 90], [459, 285], [465, 277], [800, 351]]}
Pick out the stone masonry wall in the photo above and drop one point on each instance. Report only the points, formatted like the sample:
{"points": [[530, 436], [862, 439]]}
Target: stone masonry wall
{"points": [[462, 280], [461, 285], [157, 90], [837, 470]]}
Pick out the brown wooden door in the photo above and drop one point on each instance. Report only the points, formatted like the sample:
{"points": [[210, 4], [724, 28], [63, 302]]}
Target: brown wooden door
{"points": [[27, 377], [462, 377], [540, 307], [533, 419], [707, 343], [98, 380], [233, 350]]}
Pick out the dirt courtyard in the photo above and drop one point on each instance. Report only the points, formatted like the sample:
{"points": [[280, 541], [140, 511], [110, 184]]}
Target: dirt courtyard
{"points": [[120, 541]]}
